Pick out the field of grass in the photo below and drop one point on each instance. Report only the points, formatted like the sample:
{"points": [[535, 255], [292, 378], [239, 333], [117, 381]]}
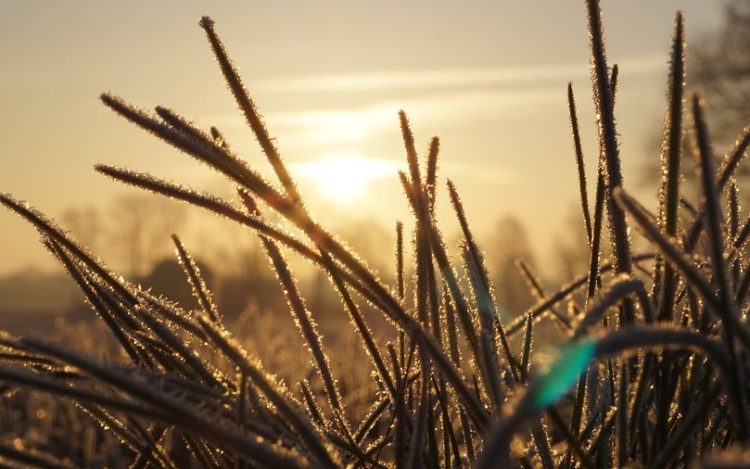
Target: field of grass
{"points": [[649, 368]]}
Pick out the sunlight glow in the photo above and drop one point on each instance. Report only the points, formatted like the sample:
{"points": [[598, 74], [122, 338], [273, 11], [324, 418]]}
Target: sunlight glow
{"points": [[342, 178]]}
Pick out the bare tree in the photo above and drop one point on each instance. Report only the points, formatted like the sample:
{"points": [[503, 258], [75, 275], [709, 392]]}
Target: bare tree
{"points": [[571, 247], [87, 225], [133, 230], [721, 71], [140, 226], [718, 66], [509, 244]]}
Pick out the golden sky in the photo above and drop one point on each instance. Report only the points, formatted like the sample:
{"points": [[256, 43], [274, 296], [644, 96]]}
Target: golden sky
{"points": [[488, 77]]}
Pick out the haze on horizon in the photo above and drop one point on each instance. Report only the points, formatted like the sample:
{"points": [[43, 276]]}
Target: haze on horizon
{"points": [[489, 78]]}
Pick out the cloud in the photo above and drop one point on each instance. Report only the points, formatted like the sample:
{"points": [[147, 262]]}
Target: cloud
{"points": [[448, 78], [366, 169], [478, 173], [345, 126], [446, 97]]}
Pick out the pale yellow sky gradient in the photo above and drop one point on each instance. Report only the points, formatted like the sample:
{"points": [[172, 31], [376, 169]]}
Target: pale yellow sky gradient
{"points": [[488, 77]]}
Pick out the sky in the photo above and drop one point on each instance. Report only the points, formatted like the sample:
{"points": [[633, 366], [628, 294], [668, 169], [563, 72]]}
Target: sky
{"points": [[488, 77]]}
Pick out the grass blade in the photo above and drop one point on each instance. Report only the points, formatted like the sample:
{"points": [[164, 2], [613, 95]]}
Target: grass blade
{"points": [[579, 161], [670, 165], [608, 137], [247, 107]]}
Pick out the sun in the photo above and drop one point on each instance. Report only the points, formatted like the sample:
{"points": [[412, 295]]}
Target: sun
{"points": [[343, 178]]}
